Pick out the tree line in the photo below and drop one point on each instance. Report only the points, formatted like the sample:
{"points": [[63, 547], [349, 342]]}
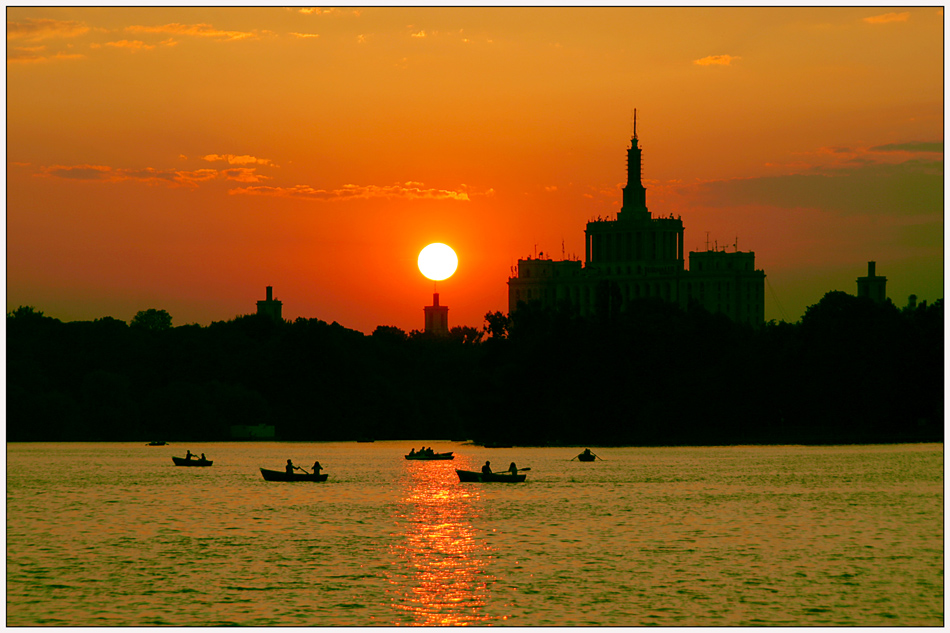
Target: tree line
{"points": [[849, 371]]}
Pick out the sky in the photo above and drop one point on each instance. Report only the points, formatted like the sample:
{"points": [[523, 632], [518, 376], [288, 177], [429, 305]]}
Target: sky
{"points": [[186, 158]]}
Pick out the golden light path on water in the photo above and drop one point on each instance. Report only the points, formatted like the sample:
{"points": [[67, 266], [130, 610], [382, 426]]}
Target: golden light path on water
{"points": [[445, 582]]}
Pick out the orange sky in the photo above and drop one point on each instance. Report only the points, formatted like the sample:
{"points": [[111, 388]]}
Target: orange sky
{"points": [[184, 159]]}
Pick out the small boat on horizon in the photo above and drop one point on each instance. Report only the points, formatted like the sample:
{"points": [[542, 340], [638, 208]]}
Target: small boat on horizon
{"points": [[504, 477], [181, 461], [282, 475], [156, 443]]}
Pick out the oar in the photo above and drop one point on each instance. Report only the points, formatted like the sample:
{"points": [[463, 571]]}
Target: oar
{"points": [[506, 472]]}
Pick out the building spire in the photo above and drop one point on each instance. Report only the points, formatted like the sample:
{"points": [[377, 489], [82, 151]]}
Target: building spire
{"points": [[634, 193]]}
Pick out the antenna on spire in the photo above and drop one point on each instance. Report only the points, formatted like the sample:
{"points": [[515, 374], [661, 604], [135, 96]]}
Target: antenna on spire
{"points": [[634, 123]]}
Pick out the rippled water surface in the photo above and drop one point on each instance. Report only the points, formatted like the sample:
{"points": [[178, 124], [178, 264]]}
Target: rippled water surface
{"points": [[115, 534]]}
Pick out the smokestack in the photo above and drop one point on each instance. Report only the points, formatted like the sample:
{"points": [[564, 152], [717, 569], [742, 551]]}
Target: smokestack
{"points": [[270, 293], [435, 298], [870, 269]]}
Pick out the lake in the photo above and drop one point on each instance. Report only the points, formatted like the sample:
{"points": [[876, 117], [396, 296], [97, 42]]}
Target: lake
{"points": [[113, 534]]}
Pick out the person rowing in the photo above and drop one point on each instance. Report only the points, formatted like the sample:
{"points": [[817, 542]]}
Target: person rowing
{"points": [[486, 469], [291, 468]]}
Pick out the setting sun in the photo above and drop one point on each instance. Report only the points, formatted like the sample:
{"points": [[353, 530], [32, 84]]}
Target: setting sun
{"points": [[438, 261]]}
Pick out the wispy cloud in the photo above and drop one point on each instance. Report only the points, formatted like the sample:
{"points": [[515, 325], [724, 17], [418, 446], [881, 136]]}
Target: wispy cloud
{"points": [[716, 60], [306, 35], [40, 29], [911, 188], [915, 146], [195, 30], [888, 17], [330, 11], [233, 159], [36, 54], [132, 45], [419, 35], [151, 176], [409, 190]]}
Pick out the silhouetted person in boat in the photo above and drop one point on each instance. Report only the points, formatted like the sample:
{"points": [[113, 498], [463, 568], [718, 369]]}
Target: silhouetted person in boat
{"points": [[513, 469], [486, 469], [587, 452], [290, 467], [317, 468], [412, 451], [188, 455], [203, 458]]}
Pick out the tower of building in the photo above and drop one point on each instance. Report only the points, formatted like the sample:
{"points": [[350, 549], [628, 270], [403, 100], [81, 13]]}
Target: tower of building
{"points": [[437, 317], [270, 306], [634, 193], [873, 287]]}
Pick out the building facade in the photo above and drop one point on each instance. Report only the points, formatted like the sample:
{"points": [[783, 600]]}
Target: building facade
{"points": [[270, 306], [436, 317], [873, 287], [638, 255]]}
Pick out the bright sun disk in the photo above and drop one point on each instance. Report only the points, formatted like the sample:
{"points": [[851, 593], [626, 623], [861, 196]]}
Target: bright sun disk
{"points": [[438, 261]]}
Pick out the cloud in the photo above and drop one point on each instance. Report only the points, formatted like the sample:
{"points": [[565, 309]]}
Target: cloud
{"points": [[716, 60], [36, 54], [43, 28], [306, 35], [151, 176], [133, 45], [231, 159], [913, 187], [888, 17], [420, 34], [915, 146], [331, 11], [409, 191], [195, 30]]}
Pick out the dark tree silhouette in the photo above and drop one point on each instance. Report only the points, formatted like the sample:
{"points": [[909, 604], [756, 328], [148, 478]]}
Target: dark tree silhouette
{"points": [[152, 320]]}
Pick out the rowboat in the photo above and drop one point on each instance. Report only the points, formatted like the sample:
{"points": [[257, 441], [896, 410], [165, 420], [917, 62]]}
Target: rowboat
{"points": [[156, 443], [281, 475], [586, 457], [468, 475], [181, 461], [424, 456]]}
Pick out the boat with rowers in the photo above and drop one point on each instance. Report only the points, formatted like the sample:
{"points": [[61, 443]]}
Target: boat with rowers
{"points": [[427, 453], [280, 475], [478, 477], [188, 461]]}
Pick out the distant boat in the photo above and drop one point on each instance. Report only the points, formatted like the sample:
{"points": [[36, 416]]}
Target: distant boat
{"points": [[472, 476], [156, 443], [181, 461], [281, 475], [424, 456], [586, 457]]}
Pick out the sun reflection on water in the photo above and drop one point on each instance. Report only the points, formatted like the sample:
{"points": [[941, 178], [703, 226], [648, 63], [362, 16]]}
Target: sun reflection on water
{"points": [[443, 581]]}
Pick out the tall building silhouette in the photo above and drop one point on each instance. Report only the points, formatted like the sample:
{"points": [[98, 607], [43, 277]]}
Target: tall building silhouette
{"points": [[437, 317], [872, 286], [638, 255], [270, 306]]}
